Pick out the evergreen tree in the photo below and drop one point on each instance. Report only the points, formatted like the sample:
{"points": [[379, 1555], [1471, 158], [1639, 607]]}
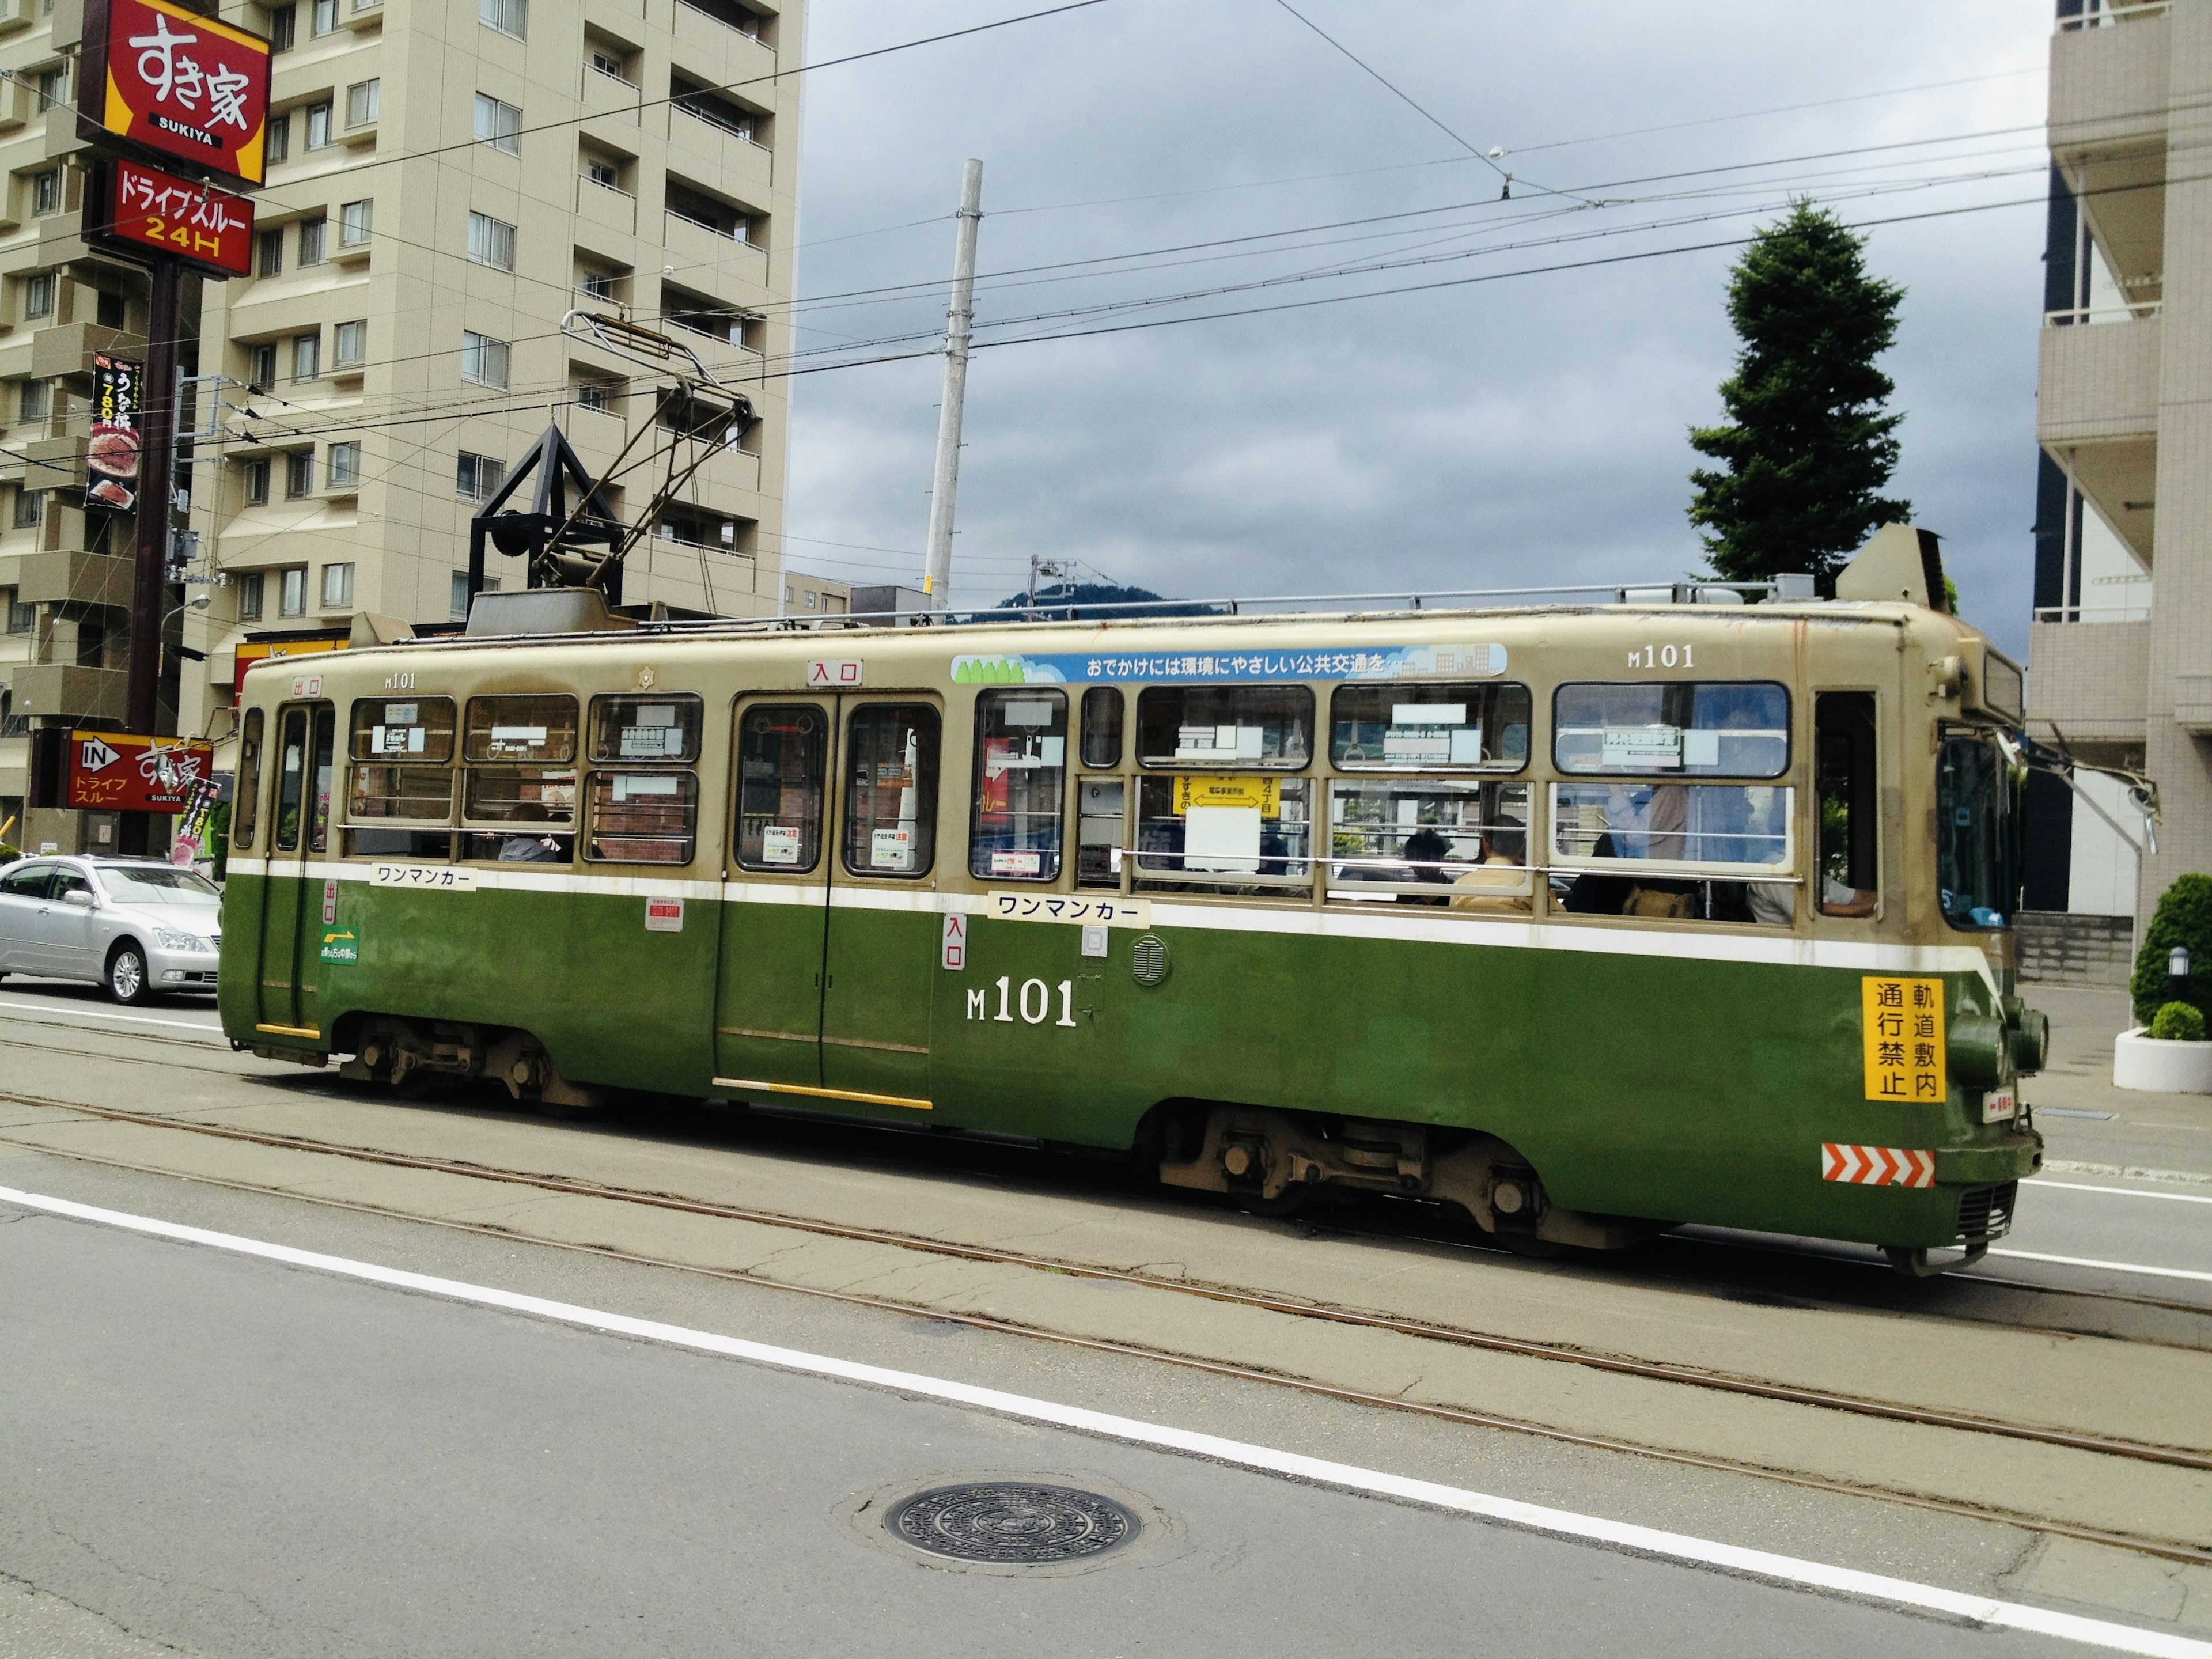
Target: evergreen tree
{"points": [[1808, 446]]}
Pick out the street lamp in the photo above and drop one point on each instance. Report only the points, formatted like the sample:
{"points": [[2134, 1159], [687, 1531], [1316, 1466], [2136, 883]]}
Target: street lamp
{"points": [[2176, 974]]}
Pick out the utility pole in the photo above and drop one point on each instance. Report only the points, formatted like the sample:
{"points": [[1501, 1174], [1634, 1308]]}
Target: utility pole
{"points": [[959, 321]]}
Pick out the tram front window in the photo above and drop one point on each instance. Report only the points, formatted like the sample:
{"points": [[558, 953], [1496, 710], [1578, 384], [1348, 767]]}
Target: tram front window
{"points": [[1973, 835]]}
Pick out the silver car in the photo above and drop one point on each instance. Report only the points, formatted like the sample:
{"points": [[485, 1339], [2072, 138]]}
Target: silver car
{"points": [[136, 926]]}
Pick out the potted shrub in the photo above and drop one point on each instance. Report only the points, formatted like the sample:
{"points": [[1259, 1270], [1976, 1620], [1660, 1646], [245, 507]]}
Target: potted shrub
{"points": [[2166, 1051]]}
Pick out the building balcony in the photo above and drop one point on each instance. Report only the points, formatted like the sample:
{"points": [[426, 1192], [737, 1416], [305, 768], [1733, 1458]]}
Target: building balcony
{"points": [[2090, 679], [2097, 414], [65, 688], [699, 143], [2108, 131], [71, 577], [605, 206], [69, 347]]}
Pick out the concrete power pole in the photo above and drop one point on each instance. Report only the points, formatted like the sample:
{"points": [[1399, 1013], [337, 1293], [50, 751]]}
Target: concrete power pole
{"points": [[959, 319]]}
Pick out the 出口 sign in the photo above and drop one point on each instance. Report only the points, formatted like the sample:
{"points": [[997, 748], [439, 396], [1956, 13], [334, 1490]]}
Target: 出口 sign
{"points": [[172, 81]]}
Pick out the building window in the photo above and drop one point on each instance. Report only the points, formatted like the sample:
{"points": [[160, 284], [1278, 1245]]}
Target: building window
{"points": [[499, 125], [319, 124], [249, 591], [263, 374], [360, 103], [599, 285], [484, 360], [47, 191], [355, 219], [350, 345], [307, 355], [38, 295], [590, 394], [459, 606], [507, 16], [91, 644], [476, 477], [345, 472], [279, 145], [52, 85], [269, 253], [337, 586], [22, 617], [35, 400], [292, 596], [284, 27], [324, 17], [257, 482], [604, 174], [313, 233], [30, 507], [491, 241], [109, 309], [299, 474]]}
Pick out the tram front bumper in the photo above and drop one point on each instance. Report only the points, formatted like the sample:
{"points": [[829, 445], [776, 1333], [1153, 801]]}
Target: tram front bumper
{"points": [[2013, 1158]]}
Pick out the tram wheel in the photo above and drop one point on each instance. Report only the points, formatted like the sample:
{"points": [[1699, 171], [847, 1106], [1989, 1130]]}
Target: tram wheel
{"points": [[1914, 1263], [1288, 1202]]}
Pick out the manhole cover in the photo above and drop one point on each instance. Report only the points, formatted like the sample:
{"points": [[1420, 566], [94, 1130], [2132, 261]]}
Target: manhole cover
{"points": [[1011, 1524]]}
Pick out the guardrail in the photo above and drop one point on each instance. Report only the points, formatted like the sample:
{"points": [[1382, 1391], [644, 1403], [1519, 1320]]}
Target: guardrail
{"points": [[2085, 316], [2108, 15]]}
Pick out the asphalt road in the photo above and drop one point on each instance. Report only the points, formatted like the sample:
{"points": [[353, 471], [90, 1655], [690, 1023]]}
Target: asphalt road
{"points": [[225, 1455]]}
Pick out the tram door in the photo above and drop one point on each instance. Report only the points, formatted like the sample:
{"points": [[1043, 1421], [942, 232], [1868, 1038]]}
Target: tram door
{"points": [[768, 1015], [299, 825]]}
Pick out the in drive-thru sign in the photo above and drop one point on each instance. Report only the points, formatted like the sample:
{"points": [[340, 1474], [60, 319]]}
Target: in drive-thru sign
{"points": [[115, 772]]}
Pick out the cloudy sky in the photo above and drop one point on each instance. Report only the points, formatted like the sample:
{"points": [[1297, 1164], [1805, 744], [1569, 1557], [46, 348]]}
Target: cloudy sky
{"points": [[1494, 429]]}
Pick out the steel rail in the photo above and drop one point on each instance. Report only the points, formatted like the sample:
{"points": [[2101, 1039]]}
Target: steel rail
{"points": [[2164, 1549], [2103, 1445]]}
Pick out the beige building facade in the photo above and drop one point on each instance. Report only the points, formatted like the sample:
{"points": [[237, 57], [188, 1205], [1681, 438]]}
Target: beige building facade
{"points": [[2120, 661], [448, 178]]}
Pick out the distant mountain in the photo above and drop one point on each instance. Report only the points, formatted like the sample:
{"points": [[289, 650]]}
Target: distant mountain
{"points": [[1110, 597]]}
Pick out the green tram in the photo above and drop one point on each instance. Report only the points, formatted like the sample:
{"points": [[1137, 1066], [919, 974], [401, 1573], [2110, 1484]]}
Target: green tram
{"points": [[1592, 921]]}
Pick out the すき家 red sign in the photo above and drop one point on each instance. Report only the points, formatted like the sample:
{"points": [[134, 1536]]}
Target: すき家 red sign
{"points": [[170, 79], [158, 210], [112, 772]]}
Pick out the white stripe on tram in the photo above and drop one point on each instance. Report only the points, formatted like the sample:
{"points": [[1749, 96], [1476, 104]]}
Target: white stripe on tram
{"points": [[1791, 1571], [1441, 927]]}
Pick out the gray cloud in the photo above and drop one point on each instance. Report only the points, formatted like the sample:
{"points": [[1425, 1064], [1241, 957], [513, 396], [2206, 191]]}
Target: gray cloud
{"points": [[1488, 434]]}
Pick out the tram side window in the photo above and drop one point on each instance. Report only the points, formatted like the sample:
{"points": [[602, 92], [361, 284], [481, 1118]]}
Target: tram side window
{"points": [[1102, 726], [891, 794], [1431, 840], [782, 752], [646, 728], [642, 818], [1675, 727], [246, 812], [402, 800], [1197, 830], [1021, 774], [1472, 726], [1843, 768], [1673, 851], [519, 802], [1229, 728], [323, 746], [1973, 835], [291, 772]]}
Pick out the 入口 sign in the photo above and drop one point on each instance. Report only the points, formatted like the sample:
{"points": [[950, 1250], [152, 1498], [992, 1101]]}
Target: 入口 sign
{"points": [[828, 674], [172, 81]]}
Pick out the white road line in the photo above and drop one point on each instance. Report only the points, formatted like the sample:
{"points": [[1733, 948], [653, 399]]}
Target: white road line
{"points": [[101, 1013], [2109, 1266], [1644, 1540], [2123, 1192]]}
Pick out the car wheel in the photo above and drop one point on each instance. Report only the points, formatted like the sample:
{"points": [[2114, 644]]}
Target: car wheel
{"points": [[126, 975]]}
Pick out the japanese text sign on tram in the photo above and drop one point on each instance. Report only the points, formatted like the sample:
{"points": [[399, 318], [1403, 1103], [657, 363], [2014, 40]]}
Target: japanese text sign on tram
{"points": [[210, 229], [169, 80], [111, 772], [1904, 1037]]}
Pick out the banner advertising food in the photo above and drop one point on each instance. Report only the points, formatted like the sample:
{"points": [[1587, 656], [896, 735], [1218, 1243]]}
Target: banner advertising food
{"points": [[173, 81], [210, 229], [111, 458]]}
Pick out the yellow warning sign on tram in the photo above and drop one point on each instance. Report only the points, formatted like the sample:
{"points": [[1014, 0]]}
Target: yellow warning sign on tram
{"points": [[1200, 789], [1904, 1037]]}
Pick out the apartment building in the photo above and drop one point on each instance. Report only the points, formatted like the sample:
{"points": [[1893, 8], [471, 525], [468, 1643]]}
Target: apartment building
{"points": [[447, 180], [2120, 657]]}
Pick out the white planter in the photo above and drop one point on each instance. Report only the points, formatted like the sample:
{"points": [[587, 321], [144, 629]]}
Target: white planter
{"points": [[2141, 1061]]}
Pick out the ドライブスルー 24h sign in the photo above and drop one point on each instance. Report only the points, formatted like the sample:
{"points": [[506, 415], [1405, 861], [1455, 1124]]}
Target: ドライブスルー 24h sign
{"points": [[209, 230], [169, 80]]}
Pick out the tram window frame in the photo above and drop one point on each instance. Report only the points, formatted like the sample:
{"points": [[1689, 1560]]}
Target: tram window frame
{"points": [[815, 781], [483, 743], [927, 729], [1153, 871], [246, 814], [492, 832], [622, 780], [1294, 717], [690, 712], [1566, 723], [1992, 828], [291, 773], [1493, 727], [391, 743], [1030, 746], [1460, 879], [377, 722], [1105, 715], [1587, 882], [1846, 753]]}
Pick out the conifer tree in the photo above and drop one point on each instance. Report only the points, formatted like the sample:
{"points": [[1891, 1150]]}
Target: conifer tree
{"points": [[1809, 444]]}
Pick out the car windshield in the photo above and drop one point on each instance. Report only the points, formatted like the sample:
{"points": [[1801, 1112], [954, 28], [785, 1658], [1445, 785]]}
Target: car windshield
{"points": [[1973, 845], [156, 884]]}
